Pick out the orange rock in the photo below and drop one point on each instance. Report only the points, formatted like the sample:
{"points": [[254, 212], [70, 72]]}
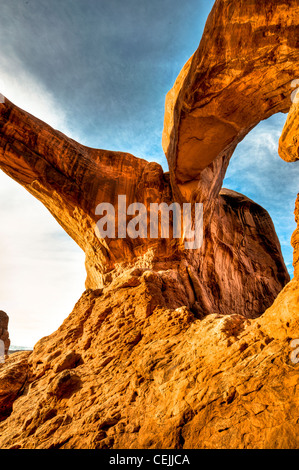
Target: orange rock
{"points": [[151, 376], [71, 180], [289, 140], [169, 348], [295, 241], [13, 376], [241, 74]]}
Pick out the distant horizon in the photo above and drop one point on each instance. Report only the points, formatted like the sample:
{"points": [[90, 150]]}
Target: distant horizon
{"points": [[19, 348]]}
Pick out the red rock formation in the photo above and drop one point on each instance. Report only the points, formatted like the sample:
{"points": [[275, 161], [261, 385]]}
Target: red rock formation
{"points": [[167, 348], [240, 74], [71, 180], [295, 241], [150, 376], [289, 140], [13, 376]]}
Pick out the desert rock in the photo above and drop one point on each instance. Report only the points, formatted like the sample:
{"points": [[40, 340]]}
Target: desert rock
{"points": [[168, 347], [239, 75], [227, 275], [151, 376]]}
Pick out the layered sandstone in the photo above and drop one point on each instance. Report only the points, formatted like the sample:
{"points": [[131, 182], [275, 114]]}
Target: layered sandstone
{"points": [[130, 368], [226, 275], [241, 73], [167, 347], [71, 180], [289, 140], [289, 151]]}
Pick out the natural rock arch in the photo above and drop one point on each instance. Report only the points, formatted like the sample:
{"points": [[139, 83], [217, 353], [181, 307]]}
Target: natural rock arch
{"points": [[156, 318], [218, 97], [240, 75]]}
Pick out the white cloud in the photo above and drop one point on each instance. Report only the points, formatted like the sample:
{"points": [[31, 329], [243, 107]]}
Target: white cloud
{"points": [[42, 270], [20, 87]]}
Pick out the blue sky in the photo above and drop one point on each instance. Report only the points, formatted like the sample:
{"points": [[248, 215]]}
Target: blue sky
{"points": [[99, 70]]}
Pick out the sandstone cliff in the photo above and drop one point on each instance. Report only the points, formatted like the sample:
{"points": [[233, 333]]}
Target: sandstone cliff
{"points": [[169, 348]]}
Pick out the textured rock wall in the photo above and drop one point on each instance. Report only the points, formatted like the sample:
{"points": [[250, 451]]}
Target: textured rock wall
{"points": [[169, 348], [240, 74], [133, 368], [226, 275], [289, 140], [289, 151], [295, 241]]}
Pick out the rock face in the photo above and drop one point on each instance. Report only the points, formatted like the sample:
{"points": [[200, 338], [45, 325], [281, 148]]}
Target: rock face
{"points": [[4, 335], [13, 376], [168, 347], [127, 369], [241, 73], [289, 151], [227, 275], [295, 241], [289, 142]]}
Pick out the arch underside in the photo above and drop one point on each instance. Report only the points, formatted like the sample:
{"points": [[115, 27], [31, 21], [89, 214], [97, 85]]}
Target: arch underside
{"points": [[241, 74]]}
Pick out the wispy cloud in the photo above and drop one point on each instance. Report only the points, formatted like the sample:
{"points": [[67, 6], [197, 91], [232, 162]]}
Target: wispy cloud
{"points": [[41, 269]]}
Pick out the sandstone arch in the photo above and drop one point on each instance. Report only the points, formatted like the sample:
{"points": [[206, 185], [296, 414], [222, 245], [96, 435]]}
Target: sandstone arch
{"points": [[240, 75], [166, 348]]}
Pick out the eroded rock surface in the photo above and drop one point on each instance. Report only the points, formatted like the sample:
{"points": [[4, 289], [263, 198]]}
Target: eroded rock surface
{"points": [[289, 140], [289, 151], [240, 74], [13, 376], [295, 241], [239, 269], [169, 348], [129, 370]]}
